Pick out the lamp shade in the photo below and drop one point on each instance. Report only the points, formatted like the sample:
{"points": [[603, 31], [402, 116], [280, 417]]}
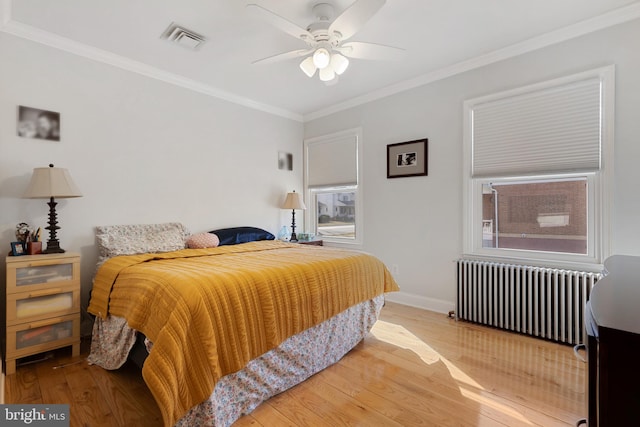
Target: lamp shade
{"points": [[51, 182], [294, 201], [308, 66], [339, 63], [327, 74]]}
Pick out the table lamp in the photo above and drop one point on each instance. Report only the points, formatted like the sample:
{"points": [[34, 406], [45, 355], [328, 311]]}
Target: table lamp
{"points": [[293, 201], [49, 183]]}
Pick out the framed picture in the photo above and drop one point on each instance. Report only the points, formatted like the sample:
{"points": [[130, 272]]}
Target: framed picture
{"points": [[285, 161], [407, 159], [39, 124], [17, 248]]}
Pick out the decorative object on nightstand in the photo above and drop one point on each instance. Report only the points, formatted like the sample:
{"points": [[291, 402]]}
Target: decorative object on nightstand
{"points": [[284, 234], [294, 201], [306, 237], [43, 305], [28, 238], [49, 183], [17, 248]]}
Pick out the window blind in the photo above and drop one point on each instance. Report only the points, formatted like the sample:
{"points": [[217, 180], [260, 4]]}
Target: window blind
{"points": [[550, 130], [333, 162]]}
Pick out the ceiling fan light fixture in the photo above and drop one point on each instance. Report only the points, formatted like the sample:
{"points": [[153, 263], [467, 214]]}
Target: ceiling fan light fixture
{"points": [[321, 58], [327, 74], [308, 67], [339, 63], [324, 38], [332, 82]]}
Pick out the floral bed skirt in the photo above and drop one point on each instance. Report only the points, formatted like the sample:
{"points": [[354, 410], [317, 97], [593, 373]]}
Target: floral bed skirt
{"points": [[237, 394]]}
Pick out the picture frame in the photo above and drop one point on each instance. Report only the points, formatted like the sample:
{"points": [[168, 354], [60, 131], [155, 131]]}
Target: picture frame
{"points": [[17, 249], [285, 161], [405, 159], [35, 123]]}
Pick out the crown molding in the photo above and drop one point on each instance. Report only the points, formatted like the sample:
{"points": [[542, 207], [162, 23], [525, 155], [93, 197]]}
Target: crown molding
{"points": [[37, 35], [609, 19], [615, 17]]}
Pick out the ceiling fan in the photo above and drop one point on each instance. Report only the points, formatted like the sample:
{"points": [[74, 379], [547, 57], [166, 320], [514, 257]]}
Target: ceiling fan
{"points": [[325, 38]]}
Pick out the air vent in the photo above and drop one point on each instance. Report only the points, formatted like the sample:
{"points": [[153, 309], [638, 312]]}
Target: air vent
{"points": [[186, 38]]}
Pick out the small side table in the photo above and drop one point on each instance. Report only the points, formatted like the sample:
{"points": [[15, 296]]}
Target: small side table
{"points": [[43, 305], [311, 242]]}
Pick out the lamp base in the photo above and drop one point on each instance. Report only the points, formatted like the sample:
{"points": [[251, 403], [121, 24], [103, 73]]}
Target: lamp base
{"points": [[293, 238], [53, 247]]}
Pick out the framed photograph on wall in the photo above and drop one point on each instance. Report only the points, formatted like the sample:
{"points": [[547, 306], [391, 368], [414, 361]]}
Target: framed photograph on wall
{"points": [[39, 124], [285, 161], [407, 159]]}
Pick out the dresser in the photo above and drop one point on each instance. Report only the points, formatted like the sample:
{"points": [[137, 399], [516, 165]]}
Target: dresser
{"points": [[42, 305], [613, 326]]}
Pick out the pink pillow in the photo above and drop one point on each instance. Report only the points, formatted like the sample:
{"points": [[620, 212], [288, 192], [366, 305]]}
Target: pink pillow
{"points": [[202, 240]]}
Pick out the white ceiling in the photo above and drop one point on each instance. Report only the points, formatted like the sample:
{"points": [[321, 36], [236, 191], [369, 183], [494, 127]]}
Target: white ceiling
{"points": [[441, 37]]}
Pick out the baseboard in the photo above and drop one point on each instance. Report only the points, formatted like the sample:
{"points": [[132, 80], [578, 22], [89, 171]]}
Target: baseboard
{"points": [[412, 300]]}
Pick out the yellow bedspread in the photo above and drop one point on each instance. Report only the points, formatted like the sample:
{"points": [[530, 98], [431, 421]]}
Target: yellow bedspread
{"points": [[210, 311]]}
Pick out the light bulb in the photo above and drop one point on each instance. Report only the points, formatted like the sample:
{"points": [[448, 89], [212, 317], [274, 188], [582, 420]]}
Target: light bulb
{"points": [[339, 63], [308, 66], [327, 74], [321, 58]]}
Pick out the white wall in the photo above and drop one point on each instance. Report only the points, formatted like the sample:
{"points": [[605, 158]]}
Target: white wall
{"points": [[416, 222], [141, 151], [144, 151]]}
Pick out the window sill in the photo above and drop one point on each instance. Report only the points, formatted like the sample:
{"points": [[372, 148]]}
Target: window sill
{"points": [[560, 264]]}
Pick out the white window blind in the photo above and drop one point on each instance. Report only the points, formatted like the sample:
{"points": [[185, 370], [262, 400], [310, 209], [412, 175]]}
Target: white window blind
{"points": [[549, 130], [333, 162]]}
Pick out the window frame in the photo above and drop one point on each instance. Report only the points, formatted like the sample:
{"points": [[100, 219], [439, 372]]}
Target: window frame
{"points": [[599, 186], [310, 214], [589, 257], [313, 194]]}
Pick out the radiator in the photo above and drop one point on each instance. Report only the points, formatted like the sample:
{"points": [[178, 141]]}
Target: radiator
{"points": [[542, 302]]}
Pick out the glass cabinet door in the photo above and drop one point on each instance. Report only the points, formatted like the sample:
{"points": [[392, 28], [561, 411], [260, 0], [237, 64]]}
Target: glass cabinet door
{"points": [[32, 275]]}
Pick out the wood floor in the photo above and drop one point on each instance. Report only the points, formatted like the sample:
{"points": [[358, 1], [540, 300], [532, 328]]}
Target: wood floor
{"points": [[416, 368]]}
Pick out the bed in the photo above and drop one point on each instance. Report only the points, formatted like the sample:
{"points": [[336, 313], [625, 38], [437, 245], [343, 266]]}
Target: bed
{"points": [[228, 326]]}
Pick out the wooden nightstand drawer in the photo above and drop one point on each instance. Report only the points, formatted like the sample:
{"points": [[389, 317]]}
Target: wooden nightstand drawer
{"points": [[27, 306], [34, 272], [42, 335]]}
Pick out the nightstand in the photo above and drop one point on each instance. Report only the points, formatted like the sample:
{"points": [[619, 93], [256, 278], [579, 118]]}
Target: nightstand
{"points": [[311, 242], [43, 305]]}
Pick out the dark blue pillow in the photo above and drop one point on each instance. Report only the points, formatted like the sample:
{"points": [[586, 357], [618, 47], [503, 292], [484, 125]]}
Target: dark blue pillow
{"points": [[235, 235]]}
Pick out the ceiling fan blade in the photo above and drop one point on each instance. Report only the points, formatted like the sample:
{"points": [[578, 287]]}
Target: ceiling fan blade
{"points": [[363, 50], [283, 56], [354, 17], [280, 22]]}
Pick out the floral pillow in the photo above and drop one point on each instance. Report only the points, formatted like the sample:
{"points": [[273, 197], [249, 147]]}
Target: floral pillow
{"points": [[114, 240]]}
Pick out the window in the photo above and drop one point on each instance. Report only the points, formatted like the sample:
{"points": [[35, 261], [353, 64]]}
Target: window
{"points": [[335, 210], [332, 186], [537, 165], [548, 215]]}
